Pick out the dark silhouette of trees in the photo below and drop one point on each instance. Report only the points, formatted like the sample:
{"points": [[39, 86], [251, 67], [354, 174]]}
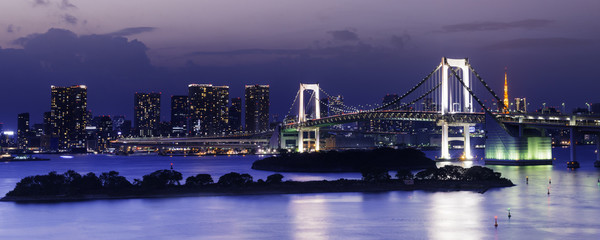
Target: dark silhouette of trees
{"points": [[235, 179], [161, 179], [113, 183], [404, 174], [375, 175], [198, 180], [274, 178], [346, 161]]}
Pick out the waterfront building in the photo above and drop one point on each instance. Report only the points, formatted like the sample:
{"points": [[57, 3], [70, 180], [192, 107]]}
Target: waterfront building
{"points": [[235, 114], [146, 114], [179, 115], [104, 130], [23, 130], [208, 109], [521, 105], [257, 108], [68, 116], [121, 126]]}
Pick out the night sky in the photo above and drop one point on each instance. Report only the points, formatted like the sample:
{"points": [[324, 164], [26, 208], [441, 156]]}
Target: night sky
{"points": [[360, 49]]}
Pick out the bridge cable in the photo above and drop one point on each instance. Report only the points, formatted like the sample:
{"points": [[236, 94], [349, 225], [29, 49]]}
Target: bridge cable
{"points": [[353, 109], [487, 87], [419, 98], [292, 106], [470, 91], [407, 93]]}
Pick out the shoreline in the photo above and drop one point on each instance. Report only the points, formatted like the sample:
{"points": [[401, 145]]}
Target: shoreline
{"points": [[289, 187]]}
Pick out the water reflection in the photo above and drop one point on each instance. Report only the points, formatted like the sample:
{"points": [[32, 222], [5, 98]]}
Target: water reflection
{"points": [[455, 216]]}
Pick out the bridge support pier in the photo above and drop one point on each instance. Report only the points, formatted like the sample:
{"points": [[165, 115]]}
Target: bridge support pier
{"points": [[466, 138], [444, 145], [597, 147], [467, 142], [572, 144], [301, 140]]}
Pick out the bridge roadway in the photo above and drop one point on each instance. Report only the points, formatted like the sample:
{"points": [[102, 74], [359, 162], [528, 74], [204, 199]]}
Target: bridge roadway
{"points": [[581, 123], [426, 116], [242, 141]]}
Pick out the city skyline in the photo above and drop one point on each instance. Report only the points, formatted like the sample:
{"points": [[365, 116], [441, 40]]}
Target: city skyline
{"points": [[324, 43]]}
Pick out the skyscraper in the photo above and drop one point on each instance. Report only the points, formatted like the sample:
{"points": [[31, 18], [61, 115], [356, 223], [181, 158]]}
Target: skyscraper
{"points": [[23, 130], [521, 105], [209, 109], [179, 114], [68, 116], [257, 107], [146, 114], [104, 130], [235, 114]]}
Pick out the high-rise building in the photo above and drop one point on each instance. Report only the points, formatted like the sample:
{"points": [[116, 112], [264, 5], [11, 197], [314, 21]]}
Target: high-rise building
{"points": [[68, 116], [146, 114], [23, 130], [209, 109], [179, 114], [235, 114], [121, 126], [257, 107], [104, 130], [521, 105]]}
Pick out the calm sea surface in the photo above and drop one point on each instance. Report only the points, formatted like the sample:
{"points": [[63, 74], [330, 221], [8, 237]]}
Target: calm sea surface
{"points": [[571, 211]]}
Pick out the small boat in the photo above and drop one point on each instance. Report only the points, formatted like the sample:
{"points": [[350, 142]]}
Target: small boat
{"points": [[573, 164]]}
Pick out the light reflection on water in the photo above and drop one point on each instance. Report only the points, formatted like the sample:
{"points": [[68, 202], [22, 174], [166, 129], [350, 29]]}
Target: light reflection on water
{"points": [[570, 212]]}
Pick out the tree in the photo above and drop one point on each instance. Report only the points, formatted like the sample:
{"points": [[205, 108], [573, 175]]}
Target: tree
{"points": [[404, 174], [235, 179], [375, 174], [426, 174], [274, 178], [198, 180], [161, 179], [88, 183], [113, 183]]}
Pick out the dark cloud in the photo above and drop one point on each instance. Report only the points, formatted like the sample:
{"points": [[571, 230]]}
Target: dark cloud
{"points": [[536, 43], [131, 31], [400, 41], [335, 51], [65, 4], [494, 26], [112, 67], [344, 35], [11, 28], [70, 19], [41, 2]]}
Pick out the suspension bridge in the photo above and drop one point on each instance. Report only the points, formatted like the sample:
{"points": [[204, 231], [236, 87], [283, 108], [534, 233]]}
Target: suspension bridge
{"points": [[447, 97], [453, 95]]}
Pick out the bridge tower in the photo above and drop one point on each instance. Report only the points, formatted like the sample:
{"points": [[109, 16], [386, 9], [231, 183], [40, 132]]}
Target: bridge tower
{"points": [[302, 117], [447, 108]]}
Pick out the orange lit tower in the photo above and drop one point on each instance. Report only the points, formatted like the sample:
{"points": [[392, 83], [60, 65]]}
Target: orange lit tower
{"points": [[505, 92]]}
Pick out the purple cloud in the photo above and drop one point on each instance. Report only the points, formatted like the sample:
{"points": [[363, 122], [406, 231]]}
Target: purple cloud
{"points": [[494, 26], [344, 35], [524, 43], [65, 4], [131, 31], [70, 19], [41, 2]]}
